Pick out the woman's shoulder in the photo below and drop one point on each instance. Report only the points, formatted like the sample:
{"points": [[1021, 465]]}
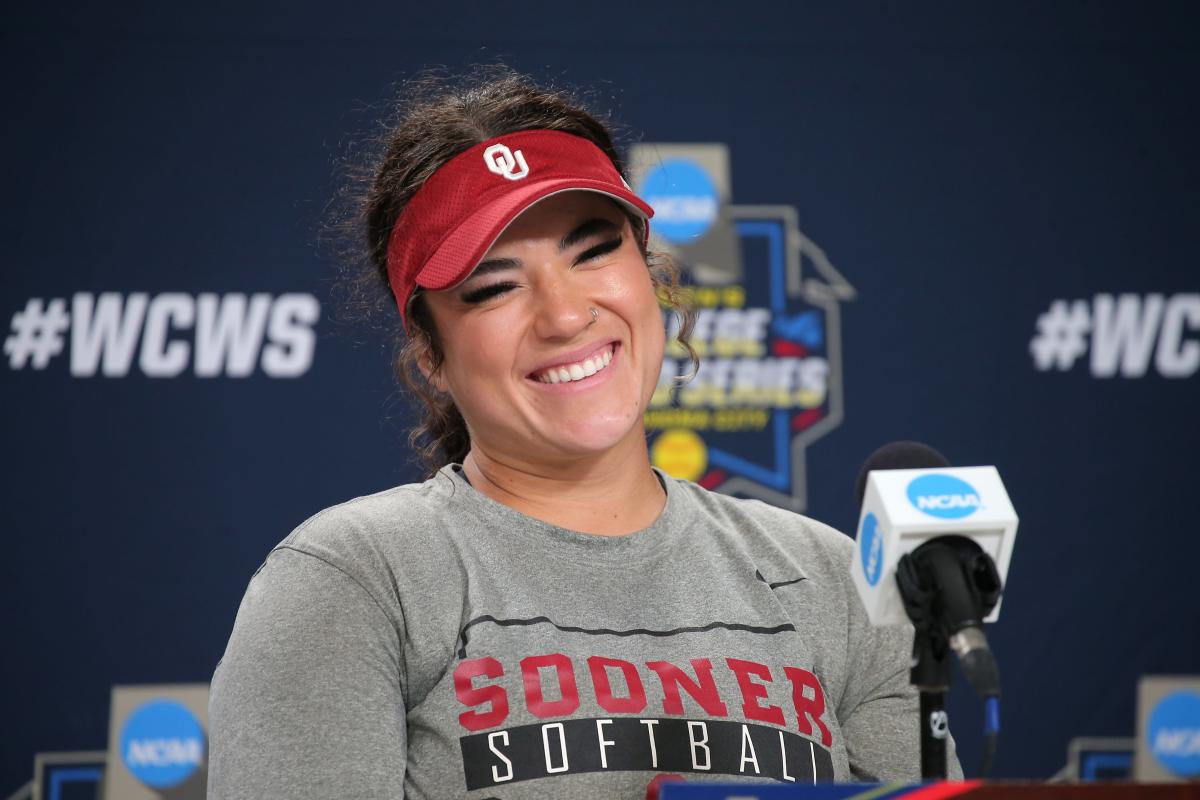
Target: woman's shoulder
{"points": [[406, 527], [400, 510], [763, 526]]}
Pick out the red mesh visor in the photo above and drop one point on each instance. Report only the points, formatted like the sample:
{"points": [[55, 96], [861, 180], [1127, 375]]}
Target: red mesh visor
{"points": [[455, 218]]}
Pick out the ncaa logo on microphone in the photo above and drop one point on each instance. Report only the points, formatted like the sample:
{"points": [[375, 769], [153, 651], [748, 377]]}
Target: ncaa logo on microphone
{"points": [[502, 161], [162, 744], [943, 496], [870, 544], [1173, 733]]}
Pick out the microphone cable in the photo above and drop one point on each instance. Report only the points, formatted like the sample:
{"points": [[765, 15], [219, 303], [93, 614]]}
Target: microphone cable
{"points": [[991, 734]]}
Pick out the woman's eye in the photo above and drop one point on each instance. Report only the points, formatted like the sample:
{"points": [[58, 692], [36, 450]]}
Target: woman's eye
{"points": [[602, 249], [487, 292]]}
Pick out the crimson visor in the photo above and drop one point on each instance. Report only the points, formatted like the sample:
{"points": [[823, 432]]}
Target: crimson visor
{"points": [[453, 220]]}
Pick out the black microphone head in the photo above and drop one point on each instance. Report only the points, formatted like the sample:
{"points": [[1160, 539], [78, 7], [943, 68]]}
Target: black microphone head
{"points": [[898, 455]]}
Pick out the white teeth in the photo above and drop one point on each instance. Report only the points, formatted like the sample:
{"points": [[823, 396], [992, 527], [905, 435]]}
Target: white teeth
{"points": [[579, 371]]}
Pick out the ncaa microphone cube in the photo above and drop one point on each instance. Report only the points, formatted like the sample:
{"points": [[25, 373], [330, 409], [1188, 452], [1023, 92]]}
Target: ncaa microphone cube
{"points": [[904, 508]]}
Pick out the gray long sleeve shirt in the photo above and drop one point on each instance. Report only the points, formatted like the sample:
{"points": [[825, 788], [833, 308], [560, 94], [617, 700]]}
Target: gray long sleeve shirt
{"points": [[429, 642]]}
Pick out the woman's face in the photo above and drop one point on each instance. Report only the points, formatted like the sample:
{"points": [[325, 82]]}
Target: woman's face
{"points": [[536, 378]]}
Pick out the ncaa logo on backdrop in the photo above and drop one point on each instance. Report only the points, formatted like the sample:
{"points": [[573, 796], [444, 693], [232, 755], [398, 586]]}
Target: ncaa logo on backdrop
{"points": [[1173, 733], [943, 496], [162, 744], [684, 200], [767, 331]]}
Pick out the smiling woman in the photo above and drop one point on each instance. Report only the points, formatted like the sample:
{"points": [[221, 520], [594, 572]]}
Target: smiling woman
{"points": [[552, 358], [546, 614]]}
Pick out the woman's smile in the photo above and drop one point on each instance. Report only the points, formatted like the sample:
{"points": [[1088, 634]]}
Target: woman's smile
{"points": [[577, 370]]}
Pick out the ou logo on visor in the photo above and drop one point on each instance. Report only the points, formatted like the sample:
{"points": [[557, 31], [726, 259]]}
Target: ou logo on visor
{"points": [[502, 161]]}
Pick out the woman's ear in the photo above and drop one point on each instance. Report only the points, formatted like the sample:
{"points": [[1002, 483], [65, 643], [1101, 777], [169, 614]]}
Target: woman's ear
{"points": [[432, 373]]}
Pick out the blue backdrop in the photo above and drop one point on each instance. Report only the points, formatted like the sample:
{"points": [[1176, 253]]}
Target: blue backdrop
{"points": [[965, 167]]}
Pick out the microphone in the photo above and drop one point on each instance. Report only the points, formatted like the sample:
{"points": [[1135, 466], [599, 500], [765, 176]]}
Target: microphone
{"points": [[934, 545]]}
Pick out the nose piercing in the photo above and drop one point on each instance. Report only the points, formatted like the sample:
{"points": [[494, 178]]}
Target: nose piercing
{"points": [[595, 314]]}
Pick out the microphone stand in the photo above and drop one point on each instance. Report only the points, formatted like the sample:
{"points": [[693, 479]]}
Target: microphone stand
{"points": [[947, 584], [931, 675]]}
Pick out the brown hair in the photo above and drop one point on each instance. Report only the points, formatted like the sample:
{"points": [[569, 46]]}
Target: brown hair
{"points": [[435, 119]]}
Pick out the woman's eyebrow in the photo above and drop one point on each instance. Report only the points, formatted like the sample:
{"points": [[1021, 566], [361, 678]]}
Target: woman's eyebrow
{"points": [[494, 265], [591, 227]]}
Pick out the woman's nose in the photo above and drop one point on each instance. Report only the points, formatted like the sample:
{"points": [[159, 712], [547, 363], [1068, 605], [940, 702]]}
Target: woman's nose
{"points": [[561, 310]]}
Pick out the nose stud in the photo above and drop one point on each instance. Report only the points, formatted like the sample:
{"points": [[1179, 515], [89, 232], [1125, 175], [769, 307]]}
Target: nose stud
{"points": [[595, 314]]}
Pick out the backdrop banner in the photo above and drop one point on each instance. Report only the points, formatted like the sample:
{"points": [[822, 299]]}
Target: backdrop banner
{"points": [[972, 226]]}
